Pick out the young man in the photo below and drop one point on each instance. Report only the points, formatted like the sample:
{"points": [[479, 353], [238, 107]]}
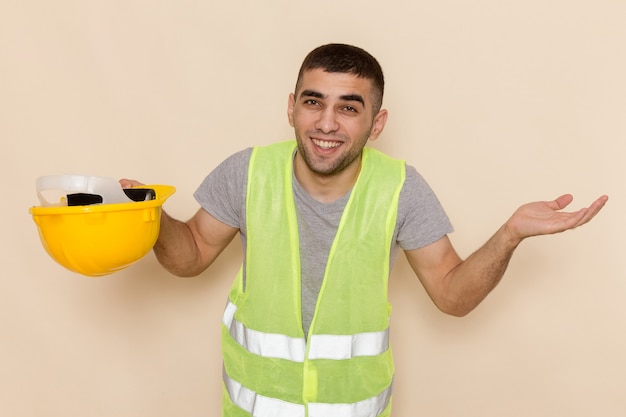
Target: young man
{"points": [[306, 327]]}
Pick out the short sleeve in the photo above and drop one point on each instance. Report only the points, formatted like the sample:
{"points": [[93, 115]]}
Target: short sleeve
{"points": [[421, 217], [222, 192]]}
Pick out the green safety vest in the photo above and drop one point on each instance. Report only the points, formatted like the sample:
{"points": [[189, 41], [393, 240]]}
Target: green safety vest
{"points": [[344, 368]]}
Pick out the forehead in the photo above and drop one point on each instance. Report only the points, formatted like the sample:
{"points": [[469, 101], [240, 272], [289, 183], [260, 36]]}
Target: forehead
{"points": [[334, 84]]}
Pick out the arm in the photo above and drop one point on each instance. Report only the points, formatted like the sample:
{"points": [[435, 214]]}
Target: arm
{"points": [[457, 286], [187, 248]]}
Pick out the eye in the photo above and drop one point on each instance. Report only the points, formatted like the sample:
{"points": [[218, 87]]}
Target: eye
{"points": [[311, 102], [350, 110]]}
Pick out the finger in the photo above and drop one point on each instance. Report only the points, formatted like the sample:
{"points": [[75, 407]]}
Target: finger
{"points": [[593, 209], [563, 201], [127, 183], [574, 219]]}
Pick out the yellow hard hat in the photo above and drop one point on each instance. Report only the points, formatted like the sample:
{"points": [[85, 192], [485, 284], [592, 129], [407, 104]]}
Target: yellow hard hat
{"points": [[99, 239]]}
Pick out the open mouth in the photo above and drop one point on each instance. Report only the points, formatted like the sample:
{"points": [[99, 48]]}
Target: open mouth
{"points": [[326, 144]]}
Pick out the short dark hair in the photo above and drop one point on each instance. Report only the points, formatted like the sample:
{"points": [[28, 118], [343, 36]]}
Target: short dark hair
{"points": [[337, 57]]}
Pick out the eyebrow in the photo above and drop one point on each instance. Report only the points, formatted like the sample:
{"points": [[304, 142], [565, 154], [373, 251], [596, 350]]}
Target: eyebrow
{"points": [[347, 97], [311, 93], [354, 97]]}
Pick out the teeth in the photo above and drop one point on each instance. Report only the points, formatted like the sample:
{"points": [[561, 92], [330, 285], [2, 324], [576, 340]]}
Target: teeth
{"points": [[325, 144]]}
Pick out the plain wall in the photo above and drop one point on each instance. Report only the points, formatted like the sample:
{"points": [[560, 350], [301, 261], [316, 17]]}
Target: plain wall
{"points": [[496, 103]]}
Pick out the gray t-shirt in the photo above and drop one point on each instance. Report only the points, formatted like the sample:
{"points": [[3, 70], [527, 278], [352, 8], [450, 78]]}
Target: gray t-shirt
{"points": [[421, 219]]}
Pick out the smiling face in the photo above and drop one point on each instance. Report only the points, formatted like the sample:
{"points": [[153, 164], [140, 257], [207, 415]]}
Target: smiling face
{"points": [[333, 117]]}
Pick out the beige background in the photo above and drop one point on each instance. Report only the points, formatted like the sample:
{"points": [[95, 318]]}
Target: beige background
{"points": [[496, 102]]}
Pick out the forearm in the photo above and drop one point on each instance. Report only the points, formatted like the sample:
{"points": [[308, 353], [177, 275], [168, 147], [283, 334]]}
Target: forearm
{"points": [[176, 248], [473, 279]]}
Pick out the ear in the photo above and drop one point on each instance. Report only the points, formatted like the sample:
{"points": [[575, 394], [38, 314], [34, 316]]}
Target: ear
{"points": [[290, 106], [378, 124]]}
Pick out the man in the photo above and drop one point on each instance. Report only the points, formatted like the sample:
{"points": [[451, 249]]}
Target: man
{"points": [[306, 327]]}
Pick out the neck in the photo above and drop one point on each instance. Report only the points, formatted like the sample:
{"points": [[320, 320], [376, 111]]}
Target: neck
{"points": [[326, 188]]}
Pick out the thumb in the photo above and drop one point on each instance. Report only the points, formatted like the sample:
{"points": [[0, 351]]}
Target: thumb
{"points": [[563, 201], [128, 183]]}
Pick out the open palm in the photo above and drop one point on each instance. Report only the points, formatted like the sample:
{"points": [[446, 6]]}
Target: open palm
{"points": [[546, 217]]}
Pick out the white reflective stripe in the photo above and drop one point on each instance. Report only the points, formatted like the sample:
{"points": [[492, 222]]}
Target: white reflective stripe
{"points": [[259, 405], [229, 314], [326, 346], [370, 407], [268, 345]]}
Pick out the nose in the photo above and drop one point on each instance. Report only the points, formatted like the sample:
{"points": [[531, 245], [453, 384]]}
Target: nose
{"points": [[327, 121]]}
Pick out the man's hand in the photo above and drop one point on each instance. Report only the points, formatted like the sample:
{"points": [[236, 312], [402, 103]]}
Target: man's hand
{"points": [[546, 217], [187, 248]]}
